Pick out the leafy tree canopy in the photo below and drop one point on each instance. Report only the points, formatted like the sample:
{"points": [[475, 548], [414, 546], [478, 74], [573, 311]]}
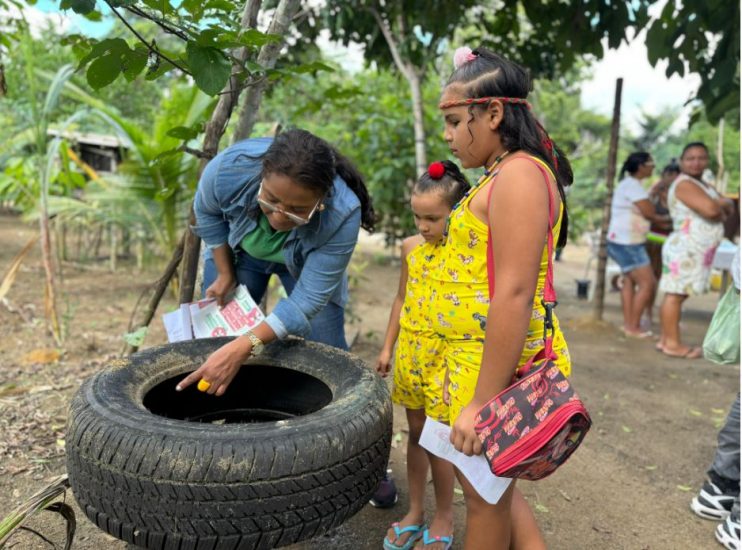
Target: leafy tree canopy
{"points": [[701, 37]]}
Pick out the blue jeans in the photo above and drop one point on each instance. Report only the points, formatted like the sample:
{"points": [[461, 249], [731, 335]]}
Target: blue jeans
{"points": [[328, 326], [628, 256]]}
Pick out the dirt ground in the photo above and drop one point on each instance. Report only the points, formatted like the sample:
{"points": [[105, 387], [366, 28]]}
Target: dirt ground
{"points": [[628, 487]]}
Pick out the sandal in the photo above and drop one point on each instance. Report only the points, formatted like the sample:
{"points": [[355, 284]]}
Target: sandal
{"points": [[428, 540], [640, 335], [691, 353], [416, 531]]}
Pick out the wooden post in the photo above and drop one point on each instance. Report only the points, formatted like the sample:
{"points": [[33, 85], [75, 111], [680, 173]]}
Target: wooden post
{"points": [[599, 297]]}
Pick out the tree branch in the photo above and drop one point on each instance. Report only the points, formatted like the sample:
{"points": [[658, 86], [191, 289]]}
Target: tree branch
{"points": [[266, 58], [144, 41], [195, 152], [180, 33], [392, 43]]}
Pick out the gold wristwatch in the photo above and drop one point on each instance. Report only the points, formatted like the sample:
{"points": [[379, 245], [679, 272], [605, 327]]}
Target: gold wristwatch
{"points": [[257, 344]]}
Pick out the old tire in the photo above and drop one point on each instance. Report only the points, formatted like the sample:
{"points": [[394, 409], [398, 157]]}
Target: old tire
{"points": [[237, 478]]}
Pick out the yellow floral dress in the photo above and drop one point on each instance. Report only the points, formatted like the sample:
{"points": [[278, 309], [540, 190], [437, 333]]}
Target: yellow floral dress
{"points": [[460, 302], [419, 367]]}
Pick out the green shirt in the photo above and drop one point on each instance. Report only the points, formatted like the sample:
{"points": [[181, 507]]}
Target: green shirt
{"points": [[264, 242]]}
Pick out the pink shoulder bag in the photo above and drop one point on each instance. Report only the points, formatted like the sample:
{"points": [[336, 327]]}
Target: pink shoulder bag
{"points": [[533, 426]]}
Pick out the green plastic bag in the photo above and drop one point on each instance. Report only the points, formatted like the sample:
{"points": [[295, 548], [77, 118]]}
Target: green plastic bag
{"points": [[721, 344]]}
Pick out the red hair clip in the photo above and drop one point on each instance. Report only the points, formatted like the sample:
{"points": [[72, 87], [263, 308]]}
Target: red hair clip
{"points": [[436, 170]]}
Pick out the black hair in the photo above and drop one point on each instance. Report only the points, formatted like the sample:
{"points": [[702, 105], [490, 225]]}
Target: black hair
{"points": [[672, 167], [491, 75], [694, 144], [453, 185], [634, 161], [313, 163]]}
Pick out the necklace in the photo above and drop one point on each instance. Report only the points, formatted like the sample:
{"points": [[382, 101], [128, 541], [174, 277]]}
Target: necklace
{"points": [[489, 173]]}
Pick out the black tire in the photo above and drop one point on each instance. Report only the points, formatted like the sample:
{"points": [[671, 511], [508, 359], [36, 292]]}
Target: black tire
{"points": [[172, 483]]}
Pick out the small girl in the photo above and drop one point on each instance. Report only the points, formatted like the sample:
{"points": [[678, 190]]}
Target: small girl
{"points": [[489, 124], [419, 367]]}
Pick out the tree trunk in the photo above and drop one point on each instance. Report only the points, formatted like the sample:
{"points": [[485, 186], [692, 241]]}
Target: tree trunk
{"points": [[414, 79], [721, 179], [50, 296], [267, 59], [610, 176], [212, 136], [421, 157], [159, 288], [112, 254]]}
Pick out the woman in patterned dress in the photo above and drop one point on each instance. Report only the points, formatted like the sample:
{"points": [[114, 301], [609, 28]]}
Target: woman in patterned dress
{"points": [[698, 213]]}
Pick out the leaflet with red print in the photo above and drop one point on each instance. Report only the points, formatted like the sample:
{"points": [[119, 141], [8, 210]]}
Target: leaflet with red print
{"points": [[204, 319]]}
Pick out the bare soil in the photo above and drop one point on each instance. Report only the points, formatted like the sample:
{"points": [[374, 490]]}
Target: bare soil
{"points": [[628, 487]]}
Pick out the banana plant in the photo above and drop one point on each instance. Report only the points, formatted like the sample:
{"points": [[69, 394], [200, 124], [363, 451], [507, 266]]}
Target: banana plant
{"points": [[157, 179]]}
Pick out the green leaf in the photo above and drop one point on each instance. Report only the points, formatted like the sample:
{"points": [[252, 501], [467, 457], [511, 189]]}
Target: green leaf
{"points": [[103, 71], [110, 45], [136, 338], [310, 68], [94, 16], [222, 5], [165, 155], [210, 68], [134, 62], [541, 508], [78, 6], [194, 7], [121, 3], [163, 6], [183, 132], [253, 37], [626, 429], [684, 488], [694, 412]]}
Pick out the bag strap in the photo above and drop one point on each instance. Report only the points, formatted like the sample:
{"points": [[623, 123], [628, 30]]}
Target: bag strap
{"points": [[549, 300]]}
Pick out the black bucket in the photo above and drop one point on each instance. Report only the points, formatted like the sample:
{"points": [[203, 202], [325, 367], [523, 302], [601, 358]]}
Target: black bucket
{"points": [[583, 288]]}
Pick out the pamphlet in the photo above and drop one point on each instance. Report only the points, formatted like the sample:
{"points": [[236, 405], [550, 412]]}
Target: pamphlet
{"points": [[436, 439], [205, 319]]}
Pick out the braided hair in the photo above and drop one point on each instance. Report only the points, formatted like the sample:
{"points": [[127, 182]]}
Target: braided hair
{"points": [[485, 74]]}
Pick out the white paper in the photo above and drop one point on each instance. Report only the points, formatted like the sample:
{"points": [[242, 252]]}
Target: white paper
{"points": [[436, 439], [204, 319], [174, 326]]}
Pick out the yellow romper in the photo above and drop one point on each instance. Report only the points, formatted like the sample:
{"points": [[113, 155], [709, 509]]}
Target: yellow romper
{"points": [[460, 302], [419, 367]]}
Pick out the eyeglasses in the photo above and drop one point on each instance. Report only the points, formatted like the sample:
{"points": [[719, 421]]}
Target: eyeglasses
{"points": [[271, 207]]}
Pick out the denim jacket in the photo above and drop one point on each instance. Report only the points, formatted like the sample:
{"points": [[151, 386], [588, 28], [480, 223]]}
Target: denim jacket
{"points": [[316, 254]]}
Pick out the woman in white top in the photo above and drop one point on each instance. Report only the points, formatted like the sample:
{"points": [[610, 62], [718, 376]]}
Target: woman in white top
{"points": [[698, 213], [631, 214]]}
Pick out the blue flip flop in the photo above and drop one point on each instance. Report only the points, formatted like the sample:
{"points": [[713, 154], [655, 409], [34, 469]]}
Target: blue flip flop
{"points": [[416, 531], [427, 539]]}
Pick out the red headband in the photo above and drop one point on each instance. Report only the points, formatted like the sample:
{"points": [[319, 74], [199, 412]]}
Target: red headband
{"points": [[480, 100], [545, 139]]}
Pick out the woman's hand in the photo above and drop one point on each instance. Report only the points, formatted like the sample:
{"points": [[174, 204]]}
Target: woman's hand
{"points": [[221, 288], [463, 437], [384, 363], [221, 367]]}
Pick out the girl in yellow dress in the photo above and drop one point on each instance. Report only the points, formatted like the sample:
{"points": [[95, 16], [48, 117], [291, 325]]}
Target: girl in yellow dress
{"points": [[488, 123], [419, 368]]}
